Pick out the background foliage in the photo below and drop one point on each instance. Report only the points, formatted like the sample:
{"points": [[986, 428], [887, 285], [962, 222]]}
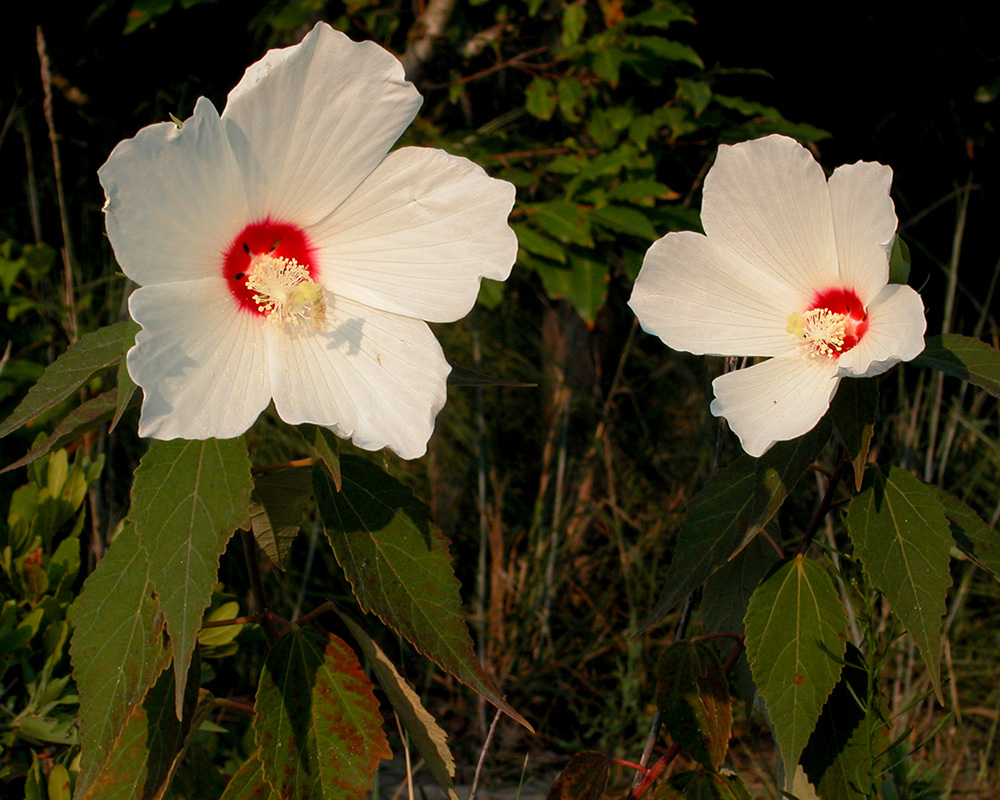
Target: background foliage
{"points": [[563, 502]]}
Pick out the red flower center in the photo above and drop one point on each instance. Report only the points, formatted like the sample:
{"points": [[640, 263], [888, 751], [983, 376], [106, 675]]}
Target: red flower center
{"points": [[833, 324], [276, 239]]}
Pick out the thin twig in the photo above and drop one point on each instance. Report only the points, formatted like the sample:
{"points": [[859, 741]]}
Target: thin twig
{"points": [[482, 755], [257, 586]]}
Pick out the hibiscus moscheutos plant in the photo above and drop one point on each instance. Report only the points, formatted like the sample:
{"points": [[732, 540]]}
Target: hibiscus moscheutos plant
{"points": [[793, 268], [283, 253]]}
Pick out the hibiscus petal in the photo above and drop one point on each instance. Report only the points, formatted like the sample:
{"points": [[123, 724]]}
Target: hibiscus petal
{"points": [[310, 122], [376, 378], [864, 221], [698, 297], [200, 360], [776, 400], [173, 199], [418, 235], [768, 201], [896, 326]]}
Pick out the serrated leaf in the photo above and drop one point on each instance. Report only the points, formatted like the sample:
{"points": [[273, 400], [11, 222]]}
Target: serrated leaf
{"points": [[325, 447], [70, 371], [796, 634], [317, 724], [901, 535], [585, 777], [965, 358], [426, 735], [853, 411], [398, 564], [733, 508], [187, 499], [669, 49], [702, 785], [117, 650], [972, 536], [725, 599], [692, 694], [248, 783], [126, 391], [850, 731], [148, 751], [279, 499]]}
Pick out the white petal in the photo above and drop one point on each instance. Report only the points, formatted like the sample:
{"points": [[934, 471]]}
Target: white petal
{"points": [[310, 122], [896, 326], [768, 201], [174, 199], [376, 378], [776, 400], [418, 235], [200, 360], [864, 221], [698, 297]]}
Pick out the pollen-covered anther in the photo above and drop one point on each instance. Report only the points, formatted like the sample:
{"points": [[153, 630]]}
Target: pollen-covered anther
{"points": [[285, 292], [820, 330]]}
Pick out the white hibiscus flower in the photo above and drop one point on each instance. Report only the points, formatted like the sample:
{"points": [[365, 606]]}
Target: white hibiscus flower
{"points": [[282, 254], [791, 267]]}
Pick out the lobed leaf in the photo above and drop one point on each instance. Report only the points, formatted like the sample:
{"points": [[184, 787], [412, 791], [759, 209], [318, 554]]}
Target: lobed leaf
{"points": [[965, 358], [317, 724], [70, 371], [426, 735], [117, 651], [399, 567], [734, 507], [692, 694], [187, 499], [900, 534], [796, 637]]}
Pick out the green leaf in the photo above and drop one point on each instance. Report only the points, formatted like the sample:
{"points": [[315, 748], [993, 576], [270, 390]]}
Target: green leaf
{"points": [[150, 746], [279, 499], [725, 599], [608, 64], [398, 564], [539, 244], [70, 371], [965, 358], [86, 417], [325, 447], [796, 637], [317, 724], [571, 94], [622, 219], [697, 93], [248, 783], [585, 777], [187, 499], [669, 49], [899, 262], [901, 536], [126, 390], [702, 785], [584, 285], [563, 221], [574, 18], [117, 650], [853, 411], [639, 191], [540, 98], [425, 734], [972, 536], [692, 694], [733, 508], [846, 753]]}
